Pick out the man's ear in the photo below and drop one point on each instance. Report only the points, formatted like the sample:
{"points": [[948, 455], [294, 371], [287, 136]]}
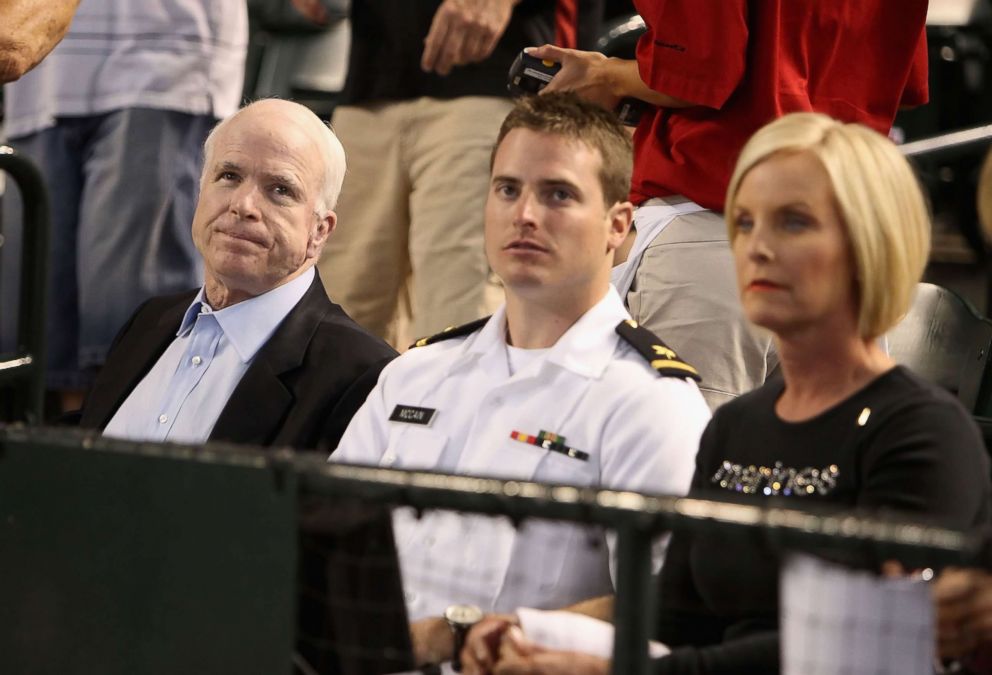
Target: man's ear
{"points": [[321, 231], [620, 216]]}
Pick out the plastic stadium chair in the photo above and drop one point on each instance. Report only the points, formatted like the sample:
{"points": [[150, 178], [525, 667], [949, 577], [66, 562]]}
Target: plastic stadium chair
{"points": [[22, 386], [289, 57], [946, 341]]}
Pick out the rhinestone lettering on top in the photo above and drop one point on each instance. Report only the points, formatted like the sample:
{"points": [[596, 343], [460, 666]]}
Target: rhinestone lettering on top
{"points": [[778, 480]]}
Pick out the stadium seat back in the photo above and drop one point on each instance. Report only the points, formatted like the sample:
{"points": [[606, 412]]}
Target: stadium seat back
{"points": [[945, 340]]}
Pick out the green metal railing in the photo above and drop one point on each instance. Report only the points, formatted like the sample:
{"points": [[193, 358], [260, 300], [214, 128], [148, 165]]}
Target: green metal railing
{"points": [[637, 518], [22, 373]]}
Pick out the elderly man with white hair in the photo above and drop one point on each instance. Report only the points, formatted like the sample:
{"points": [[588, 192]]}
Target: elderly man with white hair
{"points": [[258, 354]]}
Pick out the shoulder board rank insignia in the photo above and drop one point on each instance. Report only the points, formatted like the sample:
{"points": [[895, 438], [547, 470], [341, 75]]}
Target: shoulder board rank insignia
{"points": [[451, 332], [659, 355]]}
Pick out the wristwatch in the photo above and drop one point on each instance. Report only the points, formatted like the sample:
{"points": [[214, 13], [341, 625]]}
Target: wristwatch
{"points": [[460, 619]]}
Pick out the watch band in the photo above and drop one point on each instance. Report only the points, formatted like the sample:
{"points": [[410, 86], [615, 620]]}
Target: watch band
{"points": [[460, 619]]}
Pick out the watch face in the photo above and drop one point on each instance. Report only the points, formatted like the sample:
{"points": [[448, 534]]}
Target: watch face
{"points": [[465, 615]]}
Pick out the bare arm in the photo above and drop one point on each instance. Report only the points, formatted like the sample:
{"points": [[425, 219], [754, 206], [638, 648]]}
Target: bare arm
{"points": [[29, 30], [598, 608], [596, 78], [432, 641]]}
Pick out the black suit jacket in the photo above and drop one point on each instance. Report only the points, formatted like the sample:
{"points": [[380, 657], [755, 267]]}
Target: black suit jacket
{"points": [[300, 391]]}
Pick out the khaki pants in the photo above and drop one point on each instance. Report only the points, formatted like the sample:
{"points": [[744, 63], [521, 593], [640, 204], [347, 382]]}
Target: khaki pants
{"points": [[685, 291], [123, 188], [410, 217]]}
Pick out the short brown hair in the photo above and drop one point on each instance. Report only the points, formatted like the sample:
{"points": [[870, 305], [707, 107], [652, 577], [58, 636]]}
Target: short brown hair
{"points": [[567, 115]]}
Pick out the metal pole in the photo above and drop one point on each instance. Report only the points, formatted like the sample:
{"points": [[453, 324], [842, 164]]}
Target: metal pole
{"points": [[34, 280], [951, 145], [634, 611]]}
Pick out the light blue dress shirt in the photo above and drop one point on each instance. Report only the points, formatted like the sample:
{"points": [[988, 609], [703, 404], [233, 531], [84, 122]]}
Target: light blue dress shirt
{"points": [[181, 397]]}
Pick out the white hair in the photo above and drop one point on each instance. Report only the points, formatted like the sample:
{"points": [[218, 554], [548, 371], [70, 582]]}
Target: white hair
{"points": [[331, 151]]}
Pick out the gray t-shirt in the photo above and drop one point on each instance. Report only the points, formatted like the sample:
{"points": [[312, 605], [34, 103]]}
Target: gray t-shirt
{"points": [[183, 55]]}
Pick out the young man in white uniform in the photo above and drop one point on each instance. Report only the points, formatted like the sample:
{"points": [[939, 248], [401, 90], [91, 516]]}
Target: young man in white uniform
{"points": [[558, 386]]}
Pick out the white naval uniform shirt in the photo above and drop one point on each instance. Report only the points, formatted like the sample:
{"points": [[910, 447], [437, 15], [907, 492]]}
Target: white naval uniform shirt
{"points": [[641, 432]]}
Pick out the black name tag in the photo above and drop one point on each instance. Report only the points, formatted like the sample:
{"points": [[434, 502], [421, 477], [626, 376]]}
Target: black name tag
{"points": [[413, 415]]}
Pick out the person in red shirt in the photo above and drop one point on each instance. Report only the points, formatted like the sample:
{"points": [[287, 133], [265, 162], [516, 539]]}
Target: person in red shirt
{"points": [[713, 72]]}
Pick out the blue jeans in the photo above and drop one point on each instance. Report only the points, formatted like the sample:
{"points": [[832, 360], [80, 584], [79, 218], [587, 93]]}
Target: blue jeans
{"points": [[123, 188]]}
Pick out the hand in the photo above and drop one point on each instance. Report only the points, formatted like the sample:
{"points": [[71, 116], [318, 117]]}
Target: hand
{"points": [[588, 74], [980, 620], [519, 656], [464, 31], [954, 594], [482, 645], [432, 641], [313, 10]]}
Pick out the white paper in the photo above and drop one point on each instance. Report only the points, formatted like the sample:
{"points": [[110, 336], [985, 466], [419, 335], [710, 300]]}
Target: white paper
{"points": [[836, 620], [574, 633]]}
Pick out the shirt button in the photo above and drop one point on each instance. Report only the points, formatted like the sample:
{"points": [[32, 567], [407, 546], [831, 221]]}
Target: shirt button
{"points": [[196, 360], [388, 459], [162, 419]]}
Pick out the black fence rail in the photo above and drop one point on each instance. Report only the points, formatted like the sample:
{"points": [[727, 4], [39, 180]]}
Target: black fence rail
{"points": [[638, 519], [51, 476]]}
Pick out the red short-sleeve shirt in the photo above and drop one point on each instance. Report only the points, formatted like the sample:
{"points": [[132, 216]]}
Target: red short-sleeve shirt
{"points": [[746, 62]]}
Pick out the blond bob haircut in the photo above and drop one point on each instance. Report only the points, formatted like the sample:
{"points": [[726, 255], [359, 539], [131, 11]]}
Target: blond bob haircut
{"points": [[878, 197]]}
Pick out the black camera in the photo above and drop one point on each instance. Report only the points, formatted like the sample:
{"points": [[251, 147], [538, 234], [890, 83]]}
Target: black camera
{"points": [[529, 75]]}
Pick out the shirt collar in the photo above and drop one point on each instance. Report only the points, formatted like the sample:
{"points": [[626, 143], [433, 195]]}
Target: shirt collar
{"points": [[585, 349], [588, 346], [249, 324]]}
